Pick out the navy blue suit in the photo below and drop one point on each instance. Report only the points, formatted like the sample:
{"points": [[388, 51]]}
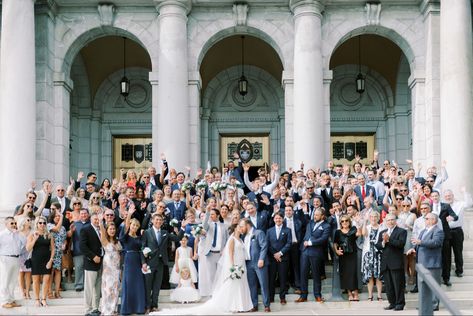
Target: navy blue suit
{"points": [[294, 254], [368, 190], [276, 245], [313, 255], [258, 251], [262, 220], [178, 213]]}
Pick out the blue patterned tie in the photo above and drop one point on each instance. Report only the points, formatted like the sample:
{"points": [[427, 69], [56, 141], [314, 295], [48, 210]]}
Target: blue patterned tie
{"points": [[214, 242]]}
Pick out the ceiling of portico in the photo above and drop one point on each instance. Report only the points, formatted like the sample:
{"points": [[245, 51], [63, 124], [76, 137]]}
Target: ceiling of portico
{"points": [[104, 56], [377, 53], [227, 53]]}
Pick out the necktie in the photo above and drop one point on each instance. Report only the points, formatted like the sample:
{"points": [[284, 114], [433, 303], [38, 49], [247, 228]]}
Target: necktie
{"points": [[214, 242], [176, 205], [363, 193], [422, 234], [158, 235]]}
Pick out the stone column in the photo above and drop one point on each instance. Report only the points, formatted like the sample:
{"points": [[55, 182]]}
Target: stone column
{"points": [[17, 101], [328, 77], [172, 128], [62, 98], [417, 87], [195, 84], [309, 116], [288, 86], [456, 87], [154, 81]]}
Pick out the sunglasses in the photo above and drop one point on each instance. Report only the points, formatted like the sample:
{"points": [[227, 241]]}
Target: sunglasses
{"points": [[424, 208], [405, 205], [344, 221], [403, 190], [13, 224], [399, 199], [31, 197], [400, 183], [77, 203], [41, 223], [28, 206], [109, 215], [429, 181], [60, 190]]}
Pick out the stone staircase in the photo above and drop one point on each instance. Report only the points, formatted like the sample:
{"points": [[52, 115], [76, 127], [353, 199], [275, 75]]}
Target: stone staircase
{"points": [[461, 293]]}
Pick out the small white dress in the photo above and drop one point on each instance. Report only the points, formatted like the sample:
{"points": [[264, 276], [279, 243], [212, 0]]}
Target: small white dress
{"points": [[185, 260], [185, 293]]}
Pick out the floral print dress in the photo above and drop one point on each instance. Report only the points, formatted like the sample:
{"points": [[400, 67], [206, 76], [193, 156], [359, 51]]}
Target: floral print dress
{"points": [[59, 240]]}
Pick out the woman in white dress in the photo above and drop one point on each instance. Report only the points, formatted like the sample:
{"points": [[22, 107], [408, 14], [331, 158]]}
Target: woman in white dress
{"points": [[225, 283]]}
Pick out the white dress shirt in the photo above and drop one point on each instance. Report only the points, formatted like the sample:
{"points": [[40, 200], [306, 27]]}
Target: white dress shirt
{"points": [[459, 207], [248, 244], [218, 244], [11, 244], [290, 225]]}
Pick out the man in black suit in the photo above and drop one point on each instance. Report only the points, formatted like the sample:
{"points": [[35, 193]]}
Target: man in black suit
{"points": [[295, 226], [158, 179], [92, 250], [157, 240], [446, 214], [391, 243], [260, 220], [279, 241]]}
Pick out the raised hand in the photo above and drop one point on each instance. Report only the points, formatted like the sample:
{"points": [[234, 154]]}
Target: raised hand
{"points": [[80, 175], [163, 156]]}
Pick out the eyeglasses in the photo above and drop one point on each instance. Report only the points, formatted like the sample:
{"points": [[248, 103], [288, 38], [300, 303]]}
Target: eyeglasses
{"points": [[53, 209], [400, 183], [31, 197], [429, 181], [28, 206], [13, 223], [344, 221], [145, 177], [41, 223], [386, 164], [405, 205], [399, 199], [109, 215], [60, 190], [403, 190], [424, 208], [76, 203], [95, 198]]}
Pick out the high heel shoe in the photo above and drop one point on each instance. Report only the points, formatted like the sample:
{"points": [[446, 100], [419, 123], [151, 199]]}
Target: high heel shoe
{"points": [[57, 294], [37, 303], [370, 298], [43, 303]]}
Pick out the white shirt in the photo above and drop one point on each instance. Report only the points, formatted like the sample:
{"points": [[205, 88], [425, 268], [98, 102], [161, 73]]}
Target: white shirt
{"points": [[248, 244], [11, 244], [419, 225], [218, 244], [156, 231], [62, 201], [459, 207], [290, 225], [253, 219], [278, 231]]}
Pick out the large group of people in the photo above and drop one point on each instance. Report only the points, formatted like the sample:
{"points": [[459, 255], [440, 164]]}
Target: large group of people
{"points": [[223, 234]]}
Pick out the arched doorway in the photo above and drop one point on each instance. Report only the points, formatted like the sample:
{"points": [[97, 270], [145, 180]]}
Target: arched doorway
{"points": [[101, 119], [227, 118], [380, 117]]}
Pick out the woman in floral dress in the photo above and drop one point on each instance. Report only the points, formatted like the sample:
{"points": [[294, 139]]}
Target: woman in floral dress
{"points": [[111, 269], [59, 235]]}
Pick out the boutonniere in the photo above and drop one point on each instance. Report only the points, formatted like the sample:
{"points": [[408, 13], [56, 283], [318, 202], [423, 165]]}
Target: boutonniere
{"points": [[164, 235], [283, 233]]}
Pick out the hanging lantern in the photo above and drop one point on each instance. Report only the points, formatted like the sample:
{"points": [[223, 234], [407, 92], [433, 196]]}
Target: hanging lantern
{"points": [[243, 85], [360, 83]]}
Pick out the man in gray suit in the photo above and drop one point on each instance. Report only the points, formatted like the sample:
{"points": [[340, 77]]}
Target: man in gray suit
{"points": [[213, 244], [428, 247], [256, 248]]}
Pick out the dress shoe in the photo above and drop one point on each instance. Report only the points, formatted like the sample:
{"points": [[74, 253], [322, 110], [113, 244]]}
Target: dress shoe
{"points": [[389, 307], [79, 290], [7, 305], [436, 309], [459, 274], [447, 282], [254, 309], [147, 311], [301, 300], [283, 301], [399, 308], [415, 290], [319, 299], [267, 309], [298, 292], [154, 309]]}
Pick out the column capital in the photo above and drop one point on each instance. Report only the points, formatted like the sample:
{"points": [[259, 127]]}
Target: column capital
{"points": [[49, 7], [195, 79], [430, 6], [154, 78], [306, 7], [168, 7]]}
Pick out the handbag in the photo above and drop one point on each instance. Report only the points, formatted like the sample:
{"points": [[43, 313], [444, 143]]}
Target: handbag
{"points": [[28, 263]]}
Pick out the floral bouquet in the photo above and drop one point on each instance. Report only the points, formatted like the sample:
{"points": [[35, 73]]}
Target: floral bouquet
{"points": [[197, 230], [236, 272], [201, 185], [174, 222], [187, 186], [238, 184], [146, 251], [218, 186]]}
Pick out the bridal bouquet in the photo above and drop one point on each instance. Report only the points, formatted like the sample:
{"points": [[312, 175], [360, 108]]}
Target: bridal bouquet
{"points": [[236, 272], [218, 186], [238, 184], [201, 185], [174, 222], [197, 230], [146, 251], [187, 186]]}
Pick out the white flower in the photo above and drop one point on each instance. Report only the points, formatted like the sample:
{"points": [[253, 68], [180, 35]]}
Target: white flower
{"points": [[201, 185], [174, 222], [146, 250], [187, 186]]}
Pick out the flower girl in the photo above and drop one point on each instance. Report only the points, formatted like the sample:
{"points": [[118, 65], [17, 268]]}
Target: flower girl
{"points": [[183, 259], [185, 291]]}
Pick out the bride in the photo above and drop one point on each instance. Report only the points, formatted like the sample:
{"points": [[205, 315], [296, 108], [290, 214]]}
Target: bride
{"points": [[231, 292]]}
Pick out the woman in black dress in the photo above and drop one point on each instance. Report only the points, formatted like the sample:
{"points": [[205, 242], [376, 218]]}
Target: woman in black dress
{"points": [[344, 245], [41, 243]]}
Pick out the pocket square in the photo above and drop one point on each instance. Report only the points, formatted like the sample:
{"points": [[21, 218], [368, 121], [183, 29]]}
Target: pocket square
{"points": [[320, 228], [164, 235]]}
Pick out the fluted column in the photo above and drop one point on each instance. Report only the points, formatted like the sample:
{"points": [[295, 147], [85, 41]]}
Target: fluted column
{"points": [[17, 101], [172, 128], [309, 115], [456, 89]]}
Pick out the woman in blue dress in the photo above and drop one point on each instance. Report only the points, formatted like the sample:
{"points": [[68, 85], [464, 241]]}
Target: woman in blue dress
{"points": [[133, 287]]}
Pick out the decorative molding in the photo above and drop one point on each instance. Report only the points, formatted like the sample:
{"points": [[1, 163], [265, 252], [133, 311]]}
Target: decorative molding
{"points": [[240, 14], [49, 7], [59, 79], [430, 6], [306, 7], [185, 4], [373, 12], [106, 13], [127, 121], [253, 118]]}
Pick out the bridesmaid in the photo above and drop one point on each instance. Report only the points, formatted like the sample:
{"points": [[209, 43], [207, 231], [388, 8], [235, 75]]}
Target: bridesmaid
{"points": [[111, 268], [133, 288]]}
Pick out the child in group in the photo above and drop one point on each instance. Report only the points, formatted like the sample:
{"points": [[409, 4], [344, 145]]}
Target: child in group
{"points": [[182, 260], [185, 291]]}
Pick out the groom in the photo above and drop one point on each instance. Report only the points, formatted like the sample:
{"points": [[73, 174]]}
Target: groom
{"points": [[256, 264]]}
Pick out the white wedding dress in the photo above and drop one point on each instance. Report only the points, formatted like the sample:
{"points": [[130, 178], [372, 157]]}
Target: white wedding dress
{"points": [[229, 295]]}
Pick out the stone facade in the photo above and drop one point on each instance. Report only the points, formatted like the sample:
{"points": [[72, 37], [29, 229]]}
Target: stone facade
{"points": [[65, 129]]}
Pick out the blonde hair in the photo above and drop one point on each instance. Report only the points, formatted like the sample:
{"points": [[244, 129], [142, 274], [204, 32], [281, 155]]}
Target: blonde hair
{"points": [[345, 217], [134, 220], [184, 269], [46, 234]]}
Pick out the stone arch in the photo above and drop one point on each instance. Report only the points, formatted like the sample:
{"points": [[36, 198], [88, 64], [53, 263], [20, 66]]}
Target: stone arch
{"points": [[262, 30], [139, 99], [71, 45], [406, 42]]}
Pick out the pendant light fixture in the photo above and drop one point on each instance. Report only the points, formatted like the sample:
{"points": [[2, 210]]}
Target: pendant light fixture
{"points": [[242, 82], [360, 80], [124, 83]]}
